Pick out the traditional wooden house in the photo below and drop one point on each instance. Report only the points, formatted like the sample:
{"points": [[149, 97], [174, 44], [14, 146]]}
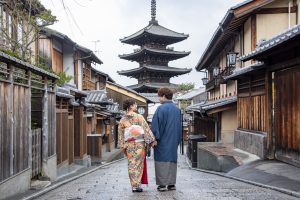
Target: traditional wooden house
{"points": [[153, 56], [101, 124], [242, 28], [27, 124], [274, 101], [65, 56]]}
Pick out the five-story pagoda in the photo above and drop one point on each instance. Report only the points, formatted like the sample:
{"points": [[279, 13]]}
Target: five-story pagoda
{"points": [[153, 56]]}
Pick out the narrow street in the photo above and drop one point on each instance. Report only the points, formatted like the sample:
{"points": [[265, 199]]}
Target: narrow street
{"points": [[111, 182]]}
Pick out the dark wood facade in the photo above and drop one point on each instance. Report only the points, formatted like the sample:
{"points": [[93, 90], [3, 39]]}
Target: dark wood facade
{"points": [[20, 117], [252, 103], [282, 95], [287, 115]]}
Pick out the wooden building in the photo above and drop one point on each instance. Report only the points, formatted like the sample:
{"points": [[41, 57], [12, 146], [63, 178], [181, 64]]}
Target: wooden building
{"points": [[64, 55], [273, 102], [153, 56], [101, 122], [27, 124], [242, 28]]}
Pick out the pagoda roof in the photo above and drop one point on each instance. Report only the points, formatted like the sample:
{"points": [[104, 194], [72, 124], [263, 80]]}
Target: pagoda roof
{"points": [[155, 68], [154, 30], [153, 86], [173, 55]]}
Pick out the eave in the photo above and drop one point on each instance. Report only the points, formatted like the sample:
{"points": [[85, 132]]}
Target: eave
{"points": [[172, 55], [157, 69], [155, 31], [228, 28]]}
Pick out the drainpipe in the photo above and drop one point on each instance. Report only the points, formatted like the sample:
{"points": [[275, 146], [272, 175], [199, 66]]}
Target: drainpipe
{"points": [[216, 130]]}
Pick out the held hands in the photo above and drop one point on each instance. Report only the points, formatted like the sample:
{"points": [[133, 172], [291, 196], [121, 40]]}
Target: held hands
{"points": [[154, 143]]}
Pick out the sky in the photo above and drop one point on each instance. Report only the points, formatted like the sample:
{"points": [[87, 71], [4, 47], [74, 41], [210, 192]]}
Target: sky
{"points": [[100, 24]]}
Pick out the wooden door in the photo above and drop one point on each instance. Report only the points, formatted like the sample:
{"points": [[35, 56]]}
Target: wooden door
{"points": [[287, 115], [57, 64]]}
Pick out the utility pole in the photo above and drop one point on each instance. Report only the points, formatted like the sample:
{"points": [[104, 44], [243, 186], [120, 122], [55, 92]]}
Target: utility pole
{"points": [[95, 42]]}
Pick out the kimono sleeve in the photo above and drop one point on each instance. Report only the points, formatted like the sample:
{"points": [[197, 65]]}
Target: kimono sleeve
{"points": [[121, 142], [155, 124]]}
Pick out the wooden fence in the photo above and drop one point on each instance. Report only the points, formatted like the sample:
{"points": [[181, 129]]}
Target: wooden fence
{"points": [[17, 81], [14, 129], [36, 152]]}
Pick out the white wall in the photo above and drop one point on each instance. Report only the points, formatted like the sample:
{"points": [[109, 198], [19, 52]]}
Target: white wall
{"points": [[228, 126]]}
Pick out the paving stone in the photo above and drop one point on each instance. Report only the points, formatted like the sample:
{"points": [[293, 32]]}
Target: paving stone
{"points": [[112, 182]]}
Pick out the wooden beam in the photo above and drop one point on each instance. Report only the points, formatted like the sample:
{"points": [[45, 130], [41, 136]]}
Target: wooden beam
{"points": [[11, 117], [251, 6], [29, 120], [126, 92], [276, 10], [45, 123], [253, 32], [222, 108]]}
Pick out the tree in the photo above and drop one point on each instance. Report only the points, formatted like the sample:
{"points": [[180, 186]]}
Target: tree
{"points": [[186, 86], [21, 22]]}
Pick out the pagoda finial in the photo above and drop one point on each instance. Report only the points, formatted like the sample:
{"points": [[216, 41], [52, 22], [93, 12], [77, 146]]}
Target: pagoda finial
{"points": [[153, 12]]}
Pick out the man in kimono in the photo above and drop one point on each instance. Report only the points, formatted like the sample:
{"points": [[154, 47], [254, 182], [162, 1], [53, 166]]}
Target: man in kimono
{"points": [[166, 127]]}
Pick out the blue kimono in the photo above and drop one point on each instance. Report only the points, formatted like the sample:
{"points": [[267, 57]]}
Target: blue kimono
{"points": [[167, 129]]}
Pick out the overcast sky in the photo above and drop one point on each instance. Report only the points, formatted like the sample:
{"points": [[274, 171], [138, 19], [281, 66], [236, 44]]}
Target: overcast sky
{"points": [[107, 21]]}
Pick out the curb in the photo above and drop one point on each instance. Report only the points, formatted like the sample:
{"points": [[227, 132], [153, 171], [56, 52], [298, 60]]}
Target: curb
{"points": [[52, 187], [282, 190]]}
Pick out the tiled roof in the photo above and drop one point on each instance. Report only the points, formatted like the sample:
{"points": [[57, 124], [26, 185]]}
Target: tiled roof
{"points": [[195, 107], [155, 29], [155, 68], [73, 88], [113, 108], [208, 105], [151, 85], [273, 42], [24, 65], [191, 94], [152, 96], [245, 70], [218, 103], [145, 50], [97, 97]]}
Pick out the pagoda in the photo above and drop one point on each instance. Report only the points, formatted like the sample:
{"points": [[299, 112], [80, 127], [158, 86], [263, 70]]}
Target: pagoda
{"points": [[153, 56]]}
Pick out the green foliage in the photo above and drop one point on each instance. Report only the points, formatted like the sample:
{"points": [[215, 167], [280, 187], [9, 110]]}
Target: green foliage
{"points": [[186, 86], [11, 53], [63, 78], [28, 18]]}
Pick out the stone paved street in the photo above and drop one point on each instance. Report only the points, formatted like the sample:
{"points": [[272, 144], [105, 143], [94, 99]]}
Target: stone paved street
{"points": [[111, 182]]}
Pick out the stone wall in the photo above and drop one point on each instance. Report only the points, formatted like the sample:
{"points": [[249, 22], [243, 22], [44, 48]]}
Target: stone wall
{"points": [[255, 143]]}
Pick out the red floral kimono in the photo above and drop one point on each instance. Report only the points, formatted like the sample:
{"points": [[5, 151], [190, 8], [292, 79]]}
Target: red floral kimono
{"points": [[133, 135]]}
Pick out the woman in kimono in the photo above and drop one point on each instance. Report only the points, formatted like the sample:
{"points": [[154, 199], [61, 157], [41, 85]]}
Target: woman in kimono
{"points": [[134, 135]]}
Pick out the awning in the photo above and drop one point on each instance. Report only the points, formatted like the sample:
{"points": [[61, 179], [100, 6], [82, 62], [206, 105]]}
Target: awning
{"points": [[209, 105]]}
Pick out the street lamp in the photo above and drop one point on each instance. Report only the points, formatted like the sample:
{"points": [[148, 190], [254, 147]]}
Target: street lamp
{"points": [[231, 59], [204, 79], [216, 71], [216, 74]]}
